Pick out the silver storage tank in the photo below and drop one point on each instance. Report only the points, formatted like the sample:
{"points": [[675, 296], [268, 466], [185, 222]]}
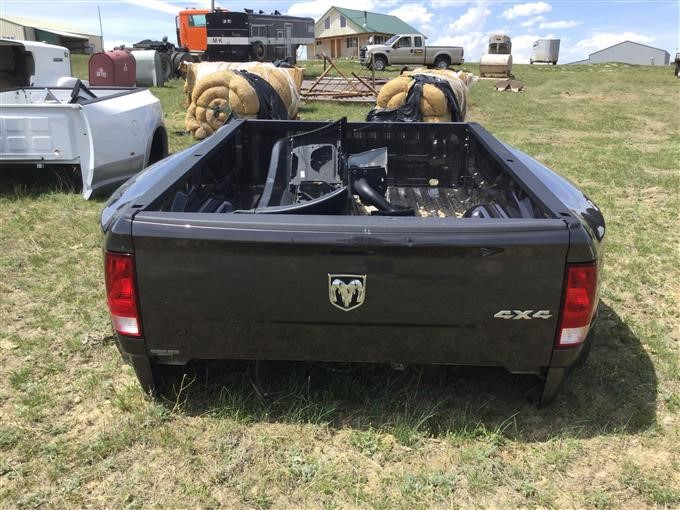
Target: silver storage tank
{"points": [[546, 51], [496, 65], [149, 68]]}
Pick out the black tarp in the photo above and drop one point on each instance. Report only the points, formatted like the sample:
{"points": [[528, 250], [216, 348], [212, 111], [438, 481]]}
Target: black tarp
{"points": [[271, 104]]}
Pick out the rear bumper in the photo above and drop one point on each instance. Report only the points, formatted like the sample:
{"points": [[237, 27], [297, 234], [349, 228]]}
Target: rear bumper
{"points": [[369, 344]]}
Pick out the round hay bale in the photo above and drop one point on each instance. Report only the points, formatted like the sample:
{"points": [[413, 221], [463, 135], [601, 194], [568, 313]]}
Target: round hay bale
{"points": [[437, 118], [190, 122], [281, 82], [203, 131], [396, 101], [243, 100], [393, 87], [433, 102], [218, 79], [216, 113], [212, 93], [200, 114]]}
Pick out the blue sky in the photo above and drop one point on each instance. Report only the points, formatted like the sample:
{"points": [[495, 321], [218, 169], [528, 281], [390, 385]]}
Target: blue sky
{"points": [[583, 26]]}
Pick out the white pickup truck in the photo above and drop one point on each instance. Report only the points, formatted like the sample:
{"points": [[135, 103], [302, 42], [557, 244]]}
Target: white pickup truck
{"points": [[109, 133], [409, 49]]}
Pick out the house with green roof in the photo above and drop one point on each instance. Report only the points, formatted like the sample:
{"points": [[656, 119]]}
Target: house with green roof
{"points": [[340, 32]]}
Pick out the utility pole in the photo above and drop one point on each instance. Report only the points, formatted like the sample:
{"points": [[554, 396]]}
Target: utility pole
{"points": [[101, 29]]}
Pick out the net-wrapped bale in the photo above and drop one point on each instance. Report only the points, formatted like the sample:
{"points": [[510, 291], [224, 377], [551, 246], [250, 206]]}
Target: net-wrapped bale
{"points": [[213, 96], [433, 105], [286, 81]]}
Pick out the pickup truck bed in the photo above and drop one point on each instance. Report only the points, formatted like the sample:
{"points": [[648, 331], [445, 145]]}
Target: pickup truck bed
{"points": [[109, 133], [264, 243]]}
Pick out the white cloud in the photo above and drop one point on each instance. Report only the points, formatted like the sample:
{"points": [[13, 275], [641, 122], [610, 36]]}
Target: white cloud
{"points": [[472, 20], [413, 13], [318, 8], [602, 40], [531, 21], [474, 44], [523, 10], [156, 5], [559, 24], [441, 4]]}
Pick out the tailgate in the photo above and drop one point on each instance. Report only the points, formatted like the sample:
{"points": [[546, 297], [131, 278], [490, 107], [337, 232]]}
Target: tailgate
{"points": [[43, 133], [350, 288]]}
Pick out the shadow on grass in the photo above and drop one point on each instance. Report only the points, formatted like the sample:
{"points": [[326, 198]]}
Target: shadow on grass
{"points": [[613, 392], [28, 180]]}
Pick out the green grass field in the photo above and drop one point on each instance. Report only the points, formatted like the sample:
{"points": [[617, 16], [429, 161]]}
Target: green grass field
{"points": [[76, 430]]}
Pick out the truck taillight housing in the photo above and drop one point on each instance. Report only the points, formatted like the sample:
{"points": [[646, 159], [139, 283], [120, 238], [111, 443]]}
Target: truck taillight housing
{"points": [[121, 293], [579, 303]]}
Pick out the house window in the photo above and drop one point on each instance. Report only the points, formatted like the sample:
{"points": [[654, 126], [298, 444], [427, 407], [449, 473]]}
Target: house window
{"points": [[352, 42], [343, 21], [378, 39], [418, 42], [327, 23]]}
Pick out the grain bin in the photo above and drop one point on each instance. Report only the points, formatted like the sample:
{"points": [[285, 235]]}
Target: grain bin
{"points": [[112, 68], [149, 69], [546, 51], [497, 61]]}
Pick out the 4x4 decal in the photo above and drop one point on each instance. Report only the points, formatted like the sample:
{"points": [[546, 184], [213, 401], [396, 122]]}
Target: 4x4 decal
{"points": [[523, 314]]}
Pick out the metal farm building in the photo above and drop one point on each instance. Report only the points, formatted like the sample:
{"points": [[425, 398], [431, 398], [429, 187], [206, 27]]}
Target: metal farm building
{"points": [[629, 52], [77, 41]]}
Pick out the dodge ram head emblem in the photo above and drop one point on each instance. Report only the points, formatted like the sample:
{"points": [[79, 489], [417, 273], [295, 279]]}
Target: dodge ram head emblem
{"points": [[347, 291]]}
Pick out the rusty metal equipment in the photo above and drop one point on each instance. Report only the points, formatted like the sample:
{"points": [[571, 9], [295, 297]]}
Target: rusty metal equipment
{"points": [[333, 84]]}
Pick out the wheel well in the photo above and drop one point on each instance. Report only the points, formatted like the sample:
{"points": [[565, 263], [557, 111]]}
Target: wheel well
{"points": [[159, 146], [443, 56], [380, 55]]}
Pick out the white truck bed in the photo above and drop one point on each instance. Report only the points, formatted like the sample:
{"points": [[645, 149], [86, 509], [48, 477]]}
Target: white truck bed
{"points": [[110, 133]]}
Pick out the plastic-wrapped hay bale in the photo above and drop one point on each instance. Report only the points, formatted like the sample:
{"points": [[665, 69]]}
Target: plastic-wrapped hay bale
{"points": [[281, 79], [433, 104], [395, 87], [281, 82], [243, 100], [459, 81], [247, 95]]}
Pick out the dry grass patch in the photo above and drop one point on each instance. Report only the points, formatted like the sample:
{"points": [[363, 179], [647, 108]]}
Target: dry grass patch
{"points": [[76, 431]]}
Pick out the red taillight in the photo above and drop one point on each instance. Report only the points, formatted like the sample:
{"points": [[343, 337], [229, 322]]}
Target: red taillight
{"points": [[121, 292], [578, 304]]}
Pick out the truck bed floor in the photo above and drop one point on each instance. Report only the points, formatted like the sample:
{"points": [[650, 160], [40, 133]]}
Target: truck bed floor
{"points": [[431, 200]]}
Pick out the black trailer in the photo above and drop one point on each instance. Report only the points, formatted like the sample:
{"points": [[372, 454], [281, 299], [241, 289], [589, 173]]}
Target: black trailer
{"points": [[247, 36]]}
